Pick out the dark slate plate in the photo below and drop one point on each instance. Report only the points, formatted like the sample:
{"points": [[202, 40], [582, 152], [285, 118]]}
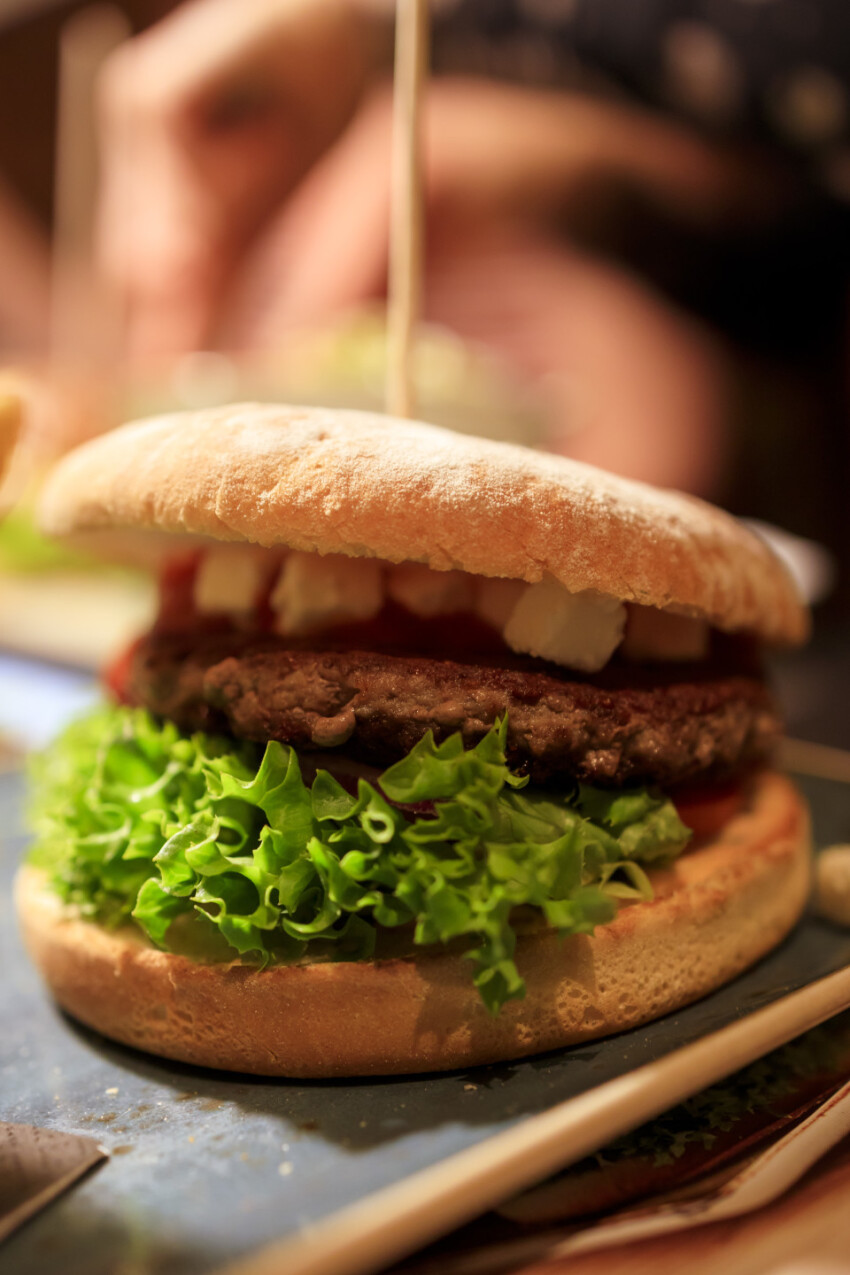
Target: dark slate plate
{"points": [[205, 1167]]}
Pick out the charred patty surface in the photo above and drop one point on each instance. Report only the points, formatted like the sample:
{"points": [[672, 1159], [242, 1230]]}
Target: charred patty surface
{"points": [[626, 725]]}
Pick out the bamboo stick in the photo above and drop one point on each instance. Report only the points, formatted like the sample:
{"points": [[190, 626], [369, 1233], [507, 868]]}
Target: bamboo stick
{"points": [[406, 213], [818, 760]]}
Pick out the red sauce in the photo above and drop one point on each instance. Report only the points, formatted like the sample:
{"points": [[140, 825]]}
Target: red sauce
{"points": [[706, 811], [177, 611], [116, 675]]}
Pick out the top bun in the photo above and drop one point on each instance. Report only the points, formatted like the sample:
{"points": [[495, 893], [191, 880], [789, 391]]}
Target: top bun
{"points": [[361, 484]]}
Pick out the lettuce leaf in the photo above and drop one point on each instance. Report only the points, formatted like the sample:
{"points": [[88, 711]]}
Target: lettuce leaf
{"points": [[24, 549], [134, 819]]}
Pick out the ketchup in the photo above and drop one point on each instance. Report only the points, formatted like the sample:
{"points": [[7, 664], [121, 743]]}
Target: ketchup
{"points": [[706, 811]]}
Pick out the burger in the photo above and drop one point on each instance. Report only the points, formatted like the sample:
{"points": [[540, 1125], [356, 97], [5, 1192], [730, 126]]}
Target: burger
{"points": [[440, 751]]}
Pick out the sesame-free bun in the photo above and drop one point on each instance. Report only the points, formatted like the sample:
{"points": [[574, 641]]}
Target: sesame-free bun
{"points": [[716, 910], [366, 485]]}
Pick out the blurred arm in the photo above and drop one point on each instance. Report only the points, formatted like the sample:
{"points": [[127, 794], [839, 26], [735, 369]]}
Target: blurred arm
{"points": [[24, 269]]}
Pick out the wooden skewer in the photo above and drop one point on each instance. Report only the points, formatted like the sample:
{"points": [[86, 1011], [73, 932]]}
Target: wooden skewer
{"points": [[818, 760], [81, 327], [405, 261]]}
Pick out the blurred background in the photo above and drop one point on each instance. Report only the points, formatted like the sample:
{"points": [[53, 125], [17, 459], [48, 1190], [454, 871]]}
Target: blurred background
{"points": [[637, 244]]}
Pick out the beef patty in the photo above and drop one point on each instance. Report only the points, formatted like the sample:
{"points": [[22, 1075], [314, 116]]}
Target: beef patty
{"points": [[663, 726]]}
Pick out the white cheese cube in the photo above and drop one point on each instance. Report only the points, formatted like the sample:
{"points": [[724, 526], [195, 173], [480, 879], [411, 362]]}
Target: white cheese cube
{"points": [[229, 579], [578, 630], [313, 593]]}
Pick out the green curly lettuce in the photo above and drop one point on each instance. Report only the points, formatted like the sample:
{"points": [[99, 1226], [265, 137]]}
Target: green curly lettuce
{"points": [[134, 819]]}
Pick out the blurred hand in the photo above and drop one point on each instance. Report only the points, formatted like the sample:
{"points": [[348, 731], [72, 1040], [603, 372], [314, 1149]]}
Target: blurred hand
{"points": [[208, 121]]}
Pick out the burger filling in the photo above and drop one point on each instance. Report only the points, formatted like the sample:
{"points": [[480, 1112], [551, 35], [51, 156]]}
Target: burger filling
{"points": [[289, 770]]}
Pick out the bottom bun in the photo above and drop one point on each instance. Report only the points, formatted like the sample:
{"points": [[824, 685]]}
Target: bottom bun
{"points": [[716, 910]]}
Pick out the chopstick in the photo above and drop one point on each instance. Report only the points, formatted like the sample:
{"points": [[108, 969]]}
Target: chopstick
{"points": [[401, 1218]]}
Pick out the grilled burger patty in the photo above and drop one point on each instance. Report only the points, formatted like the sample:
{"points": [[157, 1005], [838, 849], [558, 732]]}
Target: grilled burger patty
{"points": [[628, 724]]}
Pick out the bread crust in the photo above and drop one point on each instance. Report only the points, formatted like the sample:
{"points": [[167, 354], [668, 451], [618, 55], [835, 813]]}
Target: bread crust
{"points": [[718, 909], [366, 485]]}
